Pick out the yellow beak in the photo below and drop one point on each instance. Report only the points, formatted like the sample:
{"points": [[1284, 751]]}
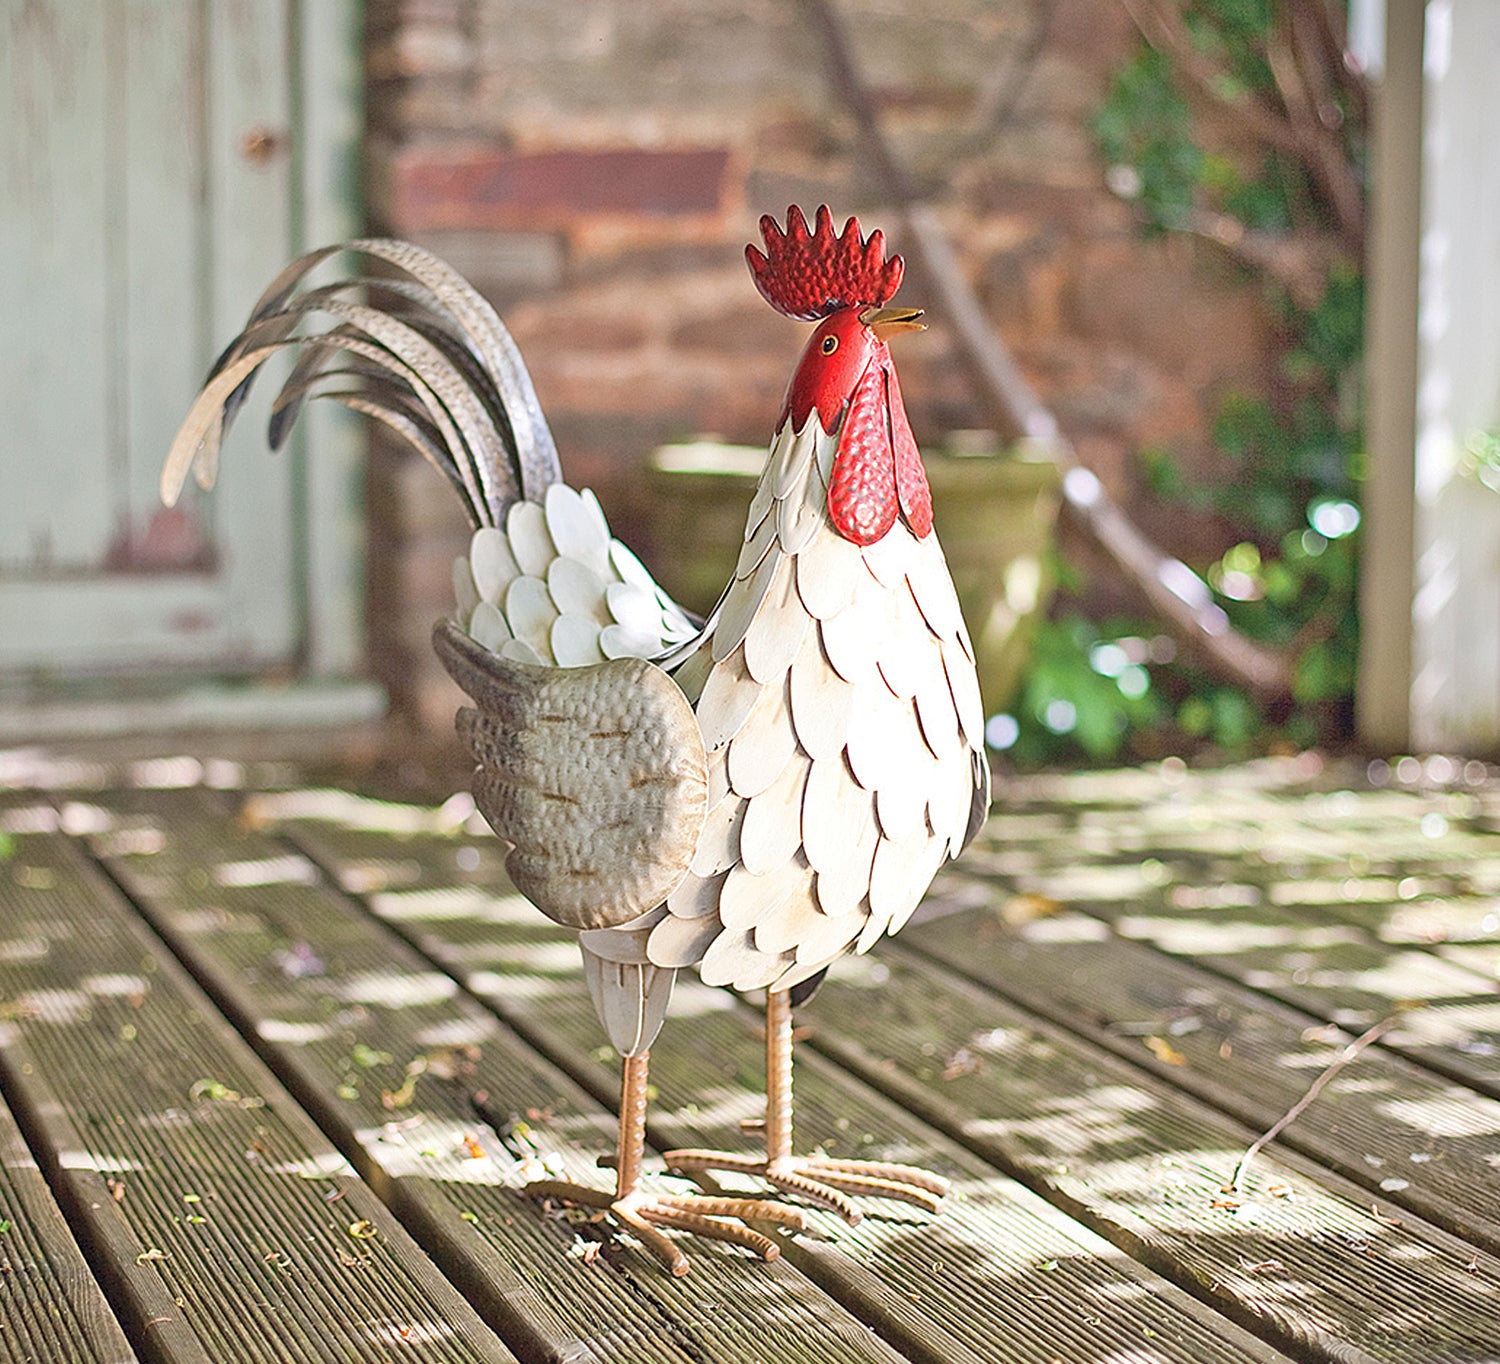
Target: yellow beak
{"points": [[888, 322]]}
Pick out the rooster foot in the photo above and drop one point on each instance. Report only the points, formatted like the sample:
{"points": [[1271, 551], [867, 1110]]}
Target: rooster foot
{"points": [[824, 1181], [642, 1213]]}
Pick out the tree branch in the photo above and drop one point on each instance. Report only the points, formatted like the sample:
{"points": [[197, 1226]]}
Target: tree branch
{"points": [[1325, 19], [1163, 29], [1299, 131], [1172, 590], [1299, 264], [1346, 1057], [1321, 146], [1002, 92]]}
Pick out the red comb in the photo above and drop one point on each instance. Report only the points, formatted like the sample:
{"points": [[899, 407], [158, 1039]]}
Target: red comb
{"points": [[807, 275]]}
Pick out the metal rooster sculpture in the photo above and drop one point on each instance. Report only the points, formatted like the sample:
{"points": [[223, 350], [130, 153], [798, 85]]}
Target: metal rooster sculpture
{"points": [[753, 796]]}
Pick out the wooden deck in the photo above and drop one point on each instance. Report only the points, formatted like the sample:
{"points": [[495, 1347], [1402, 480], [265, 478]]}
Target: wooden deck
{"points": [[275, 1059]]}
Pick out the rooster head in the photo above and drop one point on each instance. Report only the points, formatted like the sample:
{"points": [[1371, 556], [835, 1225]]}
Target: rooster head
{"points": [[844, 282]]}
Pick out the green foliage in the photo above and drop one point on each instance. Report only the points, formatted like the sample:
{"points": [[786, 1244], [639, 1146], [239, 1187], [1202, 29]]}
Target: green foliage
{"points": [[1294, 460], [1145, 124], [1087, 687], [1481, 458]]}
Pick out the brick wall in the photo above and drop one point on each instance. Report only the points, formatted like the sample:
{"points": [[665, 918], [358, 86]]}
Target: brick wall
{"points": [[596, 167]]}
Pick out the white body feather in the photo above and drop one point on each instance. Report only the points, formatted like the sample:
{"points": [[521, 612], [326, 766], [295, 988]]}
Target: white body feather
{"points": [[842, 722]]}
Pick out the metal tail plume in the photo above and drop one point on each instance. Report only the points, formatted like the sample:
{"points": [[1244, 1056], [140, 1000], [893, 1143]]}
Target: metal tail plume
{"points": [[420, 351]]}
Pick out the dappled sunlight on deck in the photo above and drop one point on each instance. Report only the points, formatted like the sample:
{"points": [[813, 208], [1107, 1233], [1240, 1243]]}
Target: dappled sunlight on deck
{"points": [[1202, 937], [1403, 976], [229, 1026], [397, 990], [1455, 1114], [363, 814], [454, 902], [1085, 1125]]}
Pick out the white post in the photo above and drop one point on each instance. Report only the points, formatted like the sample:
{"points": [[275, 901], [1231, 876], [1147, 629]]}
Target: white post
{"points": [[1430, 598], [1455, 688]]}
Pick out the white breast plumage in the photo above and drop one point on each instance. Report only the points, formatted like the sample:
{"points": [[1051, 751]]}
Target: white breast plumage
{"points": [[842, 721]]}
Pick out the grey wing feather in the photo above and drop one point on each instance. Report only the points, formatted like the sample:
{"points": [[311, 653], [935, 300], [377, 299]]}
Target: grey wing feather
{"points": [[597, 775]]}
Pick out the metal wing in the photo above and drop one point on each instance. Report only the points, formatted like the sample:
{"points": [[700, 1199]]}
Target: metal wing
{"points": [[597, 775]]}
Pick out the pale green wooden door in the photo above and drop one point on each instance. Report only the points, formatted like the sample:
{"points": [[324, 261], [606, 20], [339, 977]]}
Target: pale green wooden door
{"points": [[159, 162]]}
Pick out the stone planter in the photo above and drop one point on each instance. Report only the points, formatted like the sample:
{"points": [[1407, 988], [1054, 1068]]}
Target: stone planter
{"points": [[994, 513]]}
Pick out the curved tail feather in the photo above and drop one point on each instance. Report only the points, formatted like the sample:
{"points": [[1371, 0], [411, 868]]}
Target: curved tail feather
{"points": [[434, 361]]}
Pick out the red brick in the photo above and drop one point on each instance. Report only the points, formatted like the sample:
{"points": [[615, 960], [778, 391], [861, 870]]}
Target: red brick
{"points": [[1165, 300], [439, 187], [752, 329]]}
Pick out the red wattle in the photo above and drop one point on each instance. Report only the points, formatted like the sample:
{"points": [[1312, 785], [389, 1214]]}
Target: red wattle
{"points": [[877, 472], [911, 478], [862, 488]]}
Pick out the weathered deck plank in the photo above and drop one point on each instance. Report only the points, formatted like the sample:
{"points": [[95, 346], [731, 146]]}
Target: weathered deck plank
{"points": [[1129, 978], [222, 1225], [978, 1271], [1320, 1236], [391, 1056], [1309, 893], [51, 1308], [1151, 1168], [1412, 1138]]}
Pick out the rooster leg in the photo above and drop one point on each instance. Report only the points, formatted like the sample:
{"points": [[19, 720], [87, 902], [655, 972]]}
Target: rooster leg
{"points": [[644, 1212], [820, 1180]]}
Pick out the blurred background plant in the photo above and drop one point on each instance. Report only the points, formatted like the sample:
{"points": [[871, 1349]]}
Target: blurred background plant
{"points": [[1240, 124]]}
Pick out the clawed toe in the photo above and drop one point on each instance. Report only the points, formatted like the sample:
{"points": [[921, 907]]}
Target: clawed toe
{"points": [[823, 1181], [643, 1213]]}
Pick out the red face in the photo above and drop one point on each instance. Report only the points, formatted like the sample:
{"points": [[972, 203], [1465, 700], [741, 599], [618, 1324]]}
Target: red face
{"points": [[838, 354]]}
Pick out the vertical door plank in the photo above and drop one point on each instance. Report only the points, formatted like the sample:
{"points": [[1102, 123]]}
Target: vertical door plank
{"points": [[161, 163], [53, 290], [330, 73], [161, 121], [250, 234]]}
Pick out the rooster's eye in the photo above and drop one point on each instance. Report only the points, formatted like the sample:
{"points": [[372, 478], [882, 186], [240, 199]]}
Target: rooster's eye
{"points": [[830, 344]]}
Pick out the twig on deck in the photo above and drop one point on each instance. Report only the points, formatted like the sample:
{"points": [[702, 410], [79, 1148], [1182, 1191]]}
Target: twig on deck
{"points": [[1345, 1058]]}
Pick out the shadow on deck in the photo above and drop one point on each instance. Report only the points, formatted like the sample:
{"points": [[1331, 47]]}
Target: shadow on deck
{"points": [[276, 1058]]}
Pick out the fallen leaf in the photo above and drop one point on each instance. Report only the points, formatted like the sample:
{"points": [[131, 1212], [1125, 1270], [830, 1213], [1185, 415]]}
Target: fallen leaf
{"points": [[1165, 1052], [1027, 908]]}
